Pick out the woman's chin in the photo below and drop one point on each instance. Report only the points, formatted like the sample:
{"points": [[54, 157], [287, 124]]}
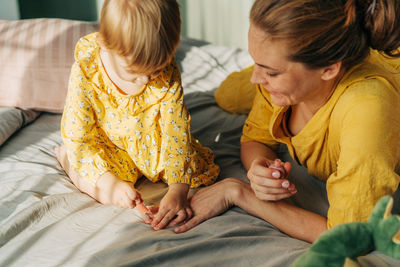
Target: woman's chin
{"points": [[279, 101]]}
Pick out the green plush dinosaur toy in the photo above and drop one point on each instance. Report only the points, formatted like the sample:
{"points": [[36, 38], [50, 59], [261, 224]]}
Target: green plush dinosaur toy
{"points": [[342, 244]]}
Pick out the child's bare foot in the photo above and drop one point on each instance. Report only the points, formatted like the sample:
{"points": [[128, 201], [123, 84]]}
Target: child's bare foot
{"points": [[111, 190], [108, 190]]}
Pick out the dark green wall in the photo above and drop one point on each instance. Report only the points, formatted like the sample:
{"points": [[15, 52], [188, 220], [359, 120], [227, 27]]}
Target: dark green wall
{"points": [[66, 9]]}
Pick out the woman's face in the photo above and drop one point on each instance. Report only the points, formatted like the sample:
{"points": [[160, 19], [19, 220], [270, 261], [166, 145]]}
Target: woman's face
{"points": [[289, 83]]}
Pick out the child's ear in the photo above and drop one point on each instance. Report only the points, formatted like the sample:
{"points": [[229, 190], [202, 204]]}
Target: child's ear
{"points": [[331, 72]]}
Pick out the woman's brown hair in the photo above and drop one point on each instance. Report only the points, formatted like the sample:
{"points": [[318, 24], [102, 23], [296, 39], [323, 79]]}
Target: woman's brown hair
{"points": [[320, 33], [145, 32]]}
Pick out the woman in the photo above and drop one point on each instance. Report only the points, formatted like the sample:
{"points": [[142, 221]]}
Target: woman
{"points": [[332, 100]]}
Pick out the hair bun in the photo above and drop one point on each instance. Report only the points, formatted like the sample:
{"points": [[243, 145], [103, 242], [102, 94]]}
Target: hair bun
{"points": [[382, 24]]}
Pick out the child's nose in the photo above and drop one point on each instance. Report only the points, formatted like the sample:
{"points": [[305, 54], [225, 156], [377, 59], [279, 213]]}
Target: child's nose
{"points": [[143, 79]]}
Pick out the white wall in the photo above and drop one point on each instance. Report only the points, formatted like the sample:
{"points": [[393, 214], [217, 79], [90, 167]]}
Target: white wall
{"points": [[221, 22], [9, 9], [99, 5]]}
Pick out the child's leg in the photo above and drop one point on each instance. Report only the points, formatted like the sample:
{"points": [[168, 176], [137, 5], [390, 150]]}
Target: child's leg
{"points": [[109, 189]]}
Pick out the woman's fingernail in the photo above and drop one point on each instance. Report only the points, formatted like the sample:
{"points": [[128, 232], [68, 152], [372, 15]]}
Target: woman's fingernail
{"points": [[285, 184], [276, 174]]}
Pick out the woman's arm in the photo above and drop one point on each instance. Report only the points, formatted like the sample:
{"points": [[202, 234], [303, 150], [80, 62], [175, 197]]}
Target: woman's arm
{"points": [[294, 221], [218, 198], [251, 150]]}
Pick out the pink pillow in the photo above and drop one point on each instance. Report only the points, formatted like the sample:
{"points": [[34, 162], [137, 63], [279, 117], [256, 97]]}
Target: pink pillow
{"points": [[36, 56]]}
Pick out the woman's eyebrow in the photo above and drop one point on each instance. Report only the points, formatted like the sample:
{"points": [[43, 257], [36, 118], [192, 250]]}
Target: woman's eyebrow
{"points": [[266, 67]]}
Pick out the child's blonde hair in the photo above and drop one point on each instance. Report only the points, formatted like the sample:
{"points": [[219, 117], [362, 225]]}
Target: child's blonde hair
{"points": [[145, 32]]}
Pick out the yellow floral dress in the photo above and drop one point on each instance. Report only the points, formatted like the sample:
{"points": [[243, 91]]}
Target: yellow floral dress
{"points": [[147, 134]]}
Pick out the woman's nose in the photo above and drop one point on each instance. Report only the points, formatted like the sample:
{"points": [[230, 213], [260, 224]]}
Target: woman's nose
{"points": [[257, 77]]}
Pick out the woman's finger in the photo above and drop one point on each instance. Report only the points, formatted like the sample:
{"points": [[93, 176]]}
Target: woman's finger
{"points": [[259, 170], [189, 224], [274, 197], [268, 182], [269, 190]]}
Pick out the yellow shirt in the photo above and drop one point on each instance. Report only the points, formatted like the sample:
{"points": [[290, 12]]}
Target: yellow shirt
{"points": [[130, 135], [352, 142]]}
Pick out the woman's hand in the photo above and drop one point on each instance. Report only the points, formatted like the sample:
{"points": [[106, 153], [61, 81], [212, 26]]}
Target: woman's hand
{"points": [[268, 179], [211, 201], [174, 207]]}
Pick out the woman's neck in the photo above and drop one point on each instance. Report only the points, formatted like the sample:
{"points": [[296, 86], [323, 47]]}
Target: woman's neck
{"points": [[302, 112], [314, 103]]}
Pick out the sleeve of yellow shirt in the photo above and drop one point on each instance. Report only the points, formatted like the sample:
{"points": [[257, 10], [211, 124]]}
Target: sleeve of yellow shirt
{"points": [[368, 121], [176, 146], [256, 127], [79, 131]]}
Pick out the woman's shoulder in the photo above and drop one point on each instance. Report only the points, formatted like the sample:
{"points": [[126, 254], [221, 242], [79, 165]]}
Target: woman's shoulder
{"points": [[366, 96], [373, 77], [375, 67]]}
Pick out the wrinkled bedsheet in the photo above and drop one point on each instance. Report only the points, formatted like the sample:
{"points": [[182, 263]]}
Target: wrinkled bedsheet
{"points": [[46, 221]]}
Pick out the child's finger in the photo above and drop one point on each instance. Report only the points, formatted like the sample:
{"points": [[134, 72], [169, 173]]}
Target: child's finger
{"points": [[292, 187], [189, 213], [181, 216], [164, 221], [158, 217], [288, 168], [153, 210]]}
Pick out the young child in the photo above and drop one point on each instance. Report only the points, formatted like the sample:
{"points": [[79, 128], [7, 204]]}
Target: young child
{"points": [[124, 115]]}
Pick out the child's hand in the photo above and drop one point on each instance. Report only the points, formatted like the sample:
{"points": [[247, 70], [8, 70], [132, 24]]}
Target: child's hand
{"points": [[174, 207]]}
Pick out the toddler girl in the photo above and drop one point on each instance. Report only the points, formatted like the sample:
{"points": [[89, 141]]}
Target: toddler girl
{"points": [[125, 116]]}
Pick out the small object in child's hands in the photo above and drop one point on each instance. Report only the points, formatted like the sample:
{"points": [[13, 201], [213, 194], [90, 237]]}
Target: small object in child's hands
{"points": [[144, 210], [278, 165]]}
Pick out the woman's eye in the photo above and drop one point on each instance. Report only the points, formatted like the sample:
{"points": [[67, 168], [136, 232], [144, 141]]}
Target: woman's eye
{"points": [[272, 74]]}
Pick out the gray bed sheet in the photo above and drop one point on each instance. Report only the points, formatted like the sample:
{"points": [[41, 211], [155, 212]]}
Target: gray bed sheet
{"points": [[46, 221]]}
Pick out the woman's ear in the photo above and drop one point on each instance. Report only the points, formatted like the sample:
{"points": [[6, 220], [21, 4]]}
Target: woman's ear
{"points": [[331, 72]]}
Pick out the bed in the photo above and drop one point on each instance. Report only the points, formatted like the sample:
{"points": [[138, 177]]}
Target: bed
{"points": [[46, 221]]}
